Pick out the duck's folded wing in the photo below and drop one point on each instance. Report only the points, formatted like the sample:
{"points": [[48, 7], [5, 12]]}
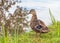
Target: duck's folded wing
{"points": [[44, 27], [41, 23]]}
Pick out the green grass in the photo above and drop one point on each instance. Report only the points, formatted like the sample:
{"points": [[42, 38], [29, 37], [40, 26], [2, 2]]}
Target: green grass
{"points": [[51, 37]]}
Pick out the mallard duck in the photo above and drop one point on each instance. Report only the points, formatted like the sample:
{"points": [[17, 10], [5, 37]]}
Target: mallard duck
{"points": [[37, 25]]}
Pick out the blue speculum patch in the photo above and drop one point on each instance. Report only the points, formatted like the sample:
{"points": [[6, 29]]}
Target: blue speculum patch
{"points": [[39, 26]]}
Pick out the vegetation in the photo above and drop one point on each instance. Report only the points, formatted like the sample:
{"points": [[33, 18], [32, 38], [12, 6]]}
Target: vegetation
{"points": [[12, 22], [30, 37]]}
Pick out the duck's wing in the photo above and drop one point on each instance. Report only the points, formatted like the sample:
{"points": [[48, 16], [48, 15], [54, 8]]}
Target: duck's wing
{"points": [[37, 24], [44, 27], [41, 23]]}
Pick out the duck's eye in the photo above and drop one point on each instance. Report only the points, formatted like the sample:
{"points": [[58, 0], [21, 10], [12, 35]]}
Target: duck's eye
{"points": [[39, 26]]}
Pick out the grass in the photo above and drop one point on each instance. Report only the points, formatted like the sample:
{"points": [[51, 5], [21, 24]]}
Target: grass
{"points": [[52, 37]]}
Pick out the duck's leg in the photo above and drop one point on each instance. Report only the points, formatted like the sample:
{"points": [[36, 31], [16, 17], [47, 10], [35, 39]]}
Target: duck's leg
{"points": [[37, 34]]}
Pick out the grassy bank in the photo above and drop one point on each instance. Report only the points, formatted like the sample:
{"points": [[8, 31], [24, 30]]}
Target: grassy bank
{"points": [[52, 37]]}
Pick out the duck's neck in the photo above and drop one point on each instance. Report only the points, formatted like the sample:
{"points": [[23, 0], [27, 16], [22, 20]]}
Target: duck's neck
{"points": [[34, 17]]}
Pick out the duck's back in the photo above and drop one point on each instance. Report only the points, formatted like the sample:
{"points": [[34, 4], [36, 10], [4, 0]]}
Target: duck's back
{"points": [[36, 22]]}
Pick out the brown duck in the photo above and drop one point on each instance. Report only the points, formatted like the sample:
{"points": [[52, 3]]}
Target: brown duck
{"points": [[37, 25]]}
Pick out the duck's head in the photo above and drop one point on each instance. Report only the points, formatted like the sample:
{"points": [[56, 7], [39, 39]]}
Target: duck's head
{"points": [[32, 11]]}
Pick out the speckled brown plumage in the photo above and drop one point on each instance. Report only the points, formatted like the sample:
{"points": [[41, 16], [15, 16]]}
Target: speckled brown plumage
{"points": [[37, 25]]}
